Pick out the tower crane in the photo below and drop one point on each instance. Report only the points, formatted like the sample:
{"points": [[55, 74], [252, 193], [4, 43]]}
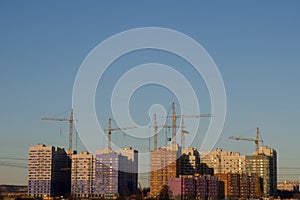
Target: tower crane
{"points": [[183, 131], [174, 126], [156, 129], [155, 132], [219, 156], [110, 129], [256, 141], [174, 118], [70, 120]]}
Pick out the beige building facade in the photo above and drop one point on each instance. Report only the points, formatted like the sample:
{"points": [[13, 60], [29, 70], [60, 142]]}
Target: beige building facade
{"points": [[223, 162]]}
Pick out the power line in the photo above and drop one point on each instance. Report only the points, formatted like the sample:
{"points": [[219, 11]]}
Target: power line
{"points": [[8, 158], [289, 168], [11, 164], [291, 174]]}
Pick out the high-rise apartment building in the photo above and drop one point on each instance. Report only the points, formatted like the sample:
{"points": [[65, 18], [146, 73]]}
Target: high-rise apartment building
{"points": [[264, 163], [83, 174], [164, 165], [116, 172], [68, 170], [189, 162], [245, 182], [46, 177], [131, 169], [223, 161]]}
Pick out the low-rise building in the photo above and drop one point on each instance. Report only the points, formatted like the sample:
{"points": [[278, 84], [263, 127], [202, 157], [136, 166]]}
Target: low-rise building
{"points": [[182, 187], [190, 187], [289, 186]]}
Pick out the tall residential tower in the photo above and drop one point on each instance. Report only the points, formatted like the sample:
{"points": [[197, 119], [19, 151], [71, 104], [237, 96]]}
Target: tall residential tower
{"points": [[46, 174], [116, 172], [164, 165], [267, 168], [83, 174]]}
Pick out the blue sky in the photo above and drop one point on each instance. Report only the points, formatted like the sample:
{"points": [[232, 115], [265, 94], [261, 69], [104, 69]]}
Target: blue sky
{"points": [[255, 45]]}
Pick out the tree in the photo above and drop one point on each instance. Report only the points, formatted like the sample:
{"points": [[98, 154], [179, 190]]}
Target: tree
{"points": [[164, 193]]}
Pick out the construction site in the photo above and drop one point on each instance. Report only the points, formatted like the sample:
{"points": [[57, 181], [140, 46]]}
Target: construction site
{"points": [[176, 172]]}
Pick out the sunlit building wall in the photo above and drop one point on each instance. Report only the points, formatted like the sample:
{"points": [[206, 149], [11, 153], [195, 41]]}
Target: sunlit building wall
{"points": [[46, 174]]}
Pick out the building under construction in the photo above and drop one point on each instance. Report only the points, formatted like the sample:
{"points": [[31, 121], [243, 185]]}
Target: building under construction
{"points": [[164, 166], [264, 163], [189, 162]]}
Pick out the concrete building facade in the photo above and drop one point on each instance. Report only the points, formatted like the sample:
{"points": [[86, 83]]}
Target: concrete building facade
{"points": [[164, 165], [116, 172], [237, 186], [132, 168], [189, 162], [288, 186], [201, 187], [223, 162], [182, 187], [83, 175], [265, 165], [191, 187], [45, 175]]}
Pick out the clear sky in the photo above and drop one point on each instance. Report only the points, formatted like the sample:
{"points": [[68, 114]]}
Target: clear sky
{"points": [[255, 44]]}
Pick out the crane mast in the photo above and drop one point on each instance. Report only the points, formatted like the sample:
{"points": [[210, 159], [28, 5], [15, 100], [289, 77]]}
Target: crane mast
{"points": [[174, 126], [257, 185], [256, 141], [174, 117], [155, 132], [70, 120], [110, 129], [155, 126], [182, 134], [109, 134], [71, 130]]}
